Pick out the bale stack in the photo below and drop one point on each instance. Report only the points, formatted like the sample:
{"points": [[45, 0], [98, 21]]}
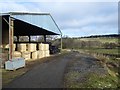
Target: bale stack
{"points": [[32, 50], [35, 55], [31, 47], [26, 55], [41, 54], [43, 50], [7, 46], [21, 47], [16, 54], [47, 53]]}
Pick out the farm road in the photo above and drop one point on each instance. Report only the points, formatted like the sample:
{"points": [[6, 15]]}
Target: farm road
{"points": [[46, 75]]}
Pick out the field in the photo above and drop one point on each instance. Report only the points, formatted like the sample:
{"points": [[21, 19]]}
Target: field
{"points": [[108, 57], [99, 50], [103, 40], [102, 50]]}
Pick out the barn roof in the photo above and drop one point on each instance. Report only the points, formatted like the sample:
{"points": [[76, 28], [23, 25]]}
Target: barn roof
{"points": [[31, 23]]}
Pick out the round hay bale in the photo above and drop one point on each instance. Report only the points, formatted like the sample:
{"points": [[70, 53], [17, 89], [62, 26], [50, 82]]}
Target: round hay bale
{"points": [[31, 47]]}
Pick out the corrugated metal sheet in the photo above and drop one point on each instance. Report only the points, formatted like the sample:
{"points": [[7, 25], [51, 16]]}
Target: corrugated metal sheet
{"points": [[44, 21]]}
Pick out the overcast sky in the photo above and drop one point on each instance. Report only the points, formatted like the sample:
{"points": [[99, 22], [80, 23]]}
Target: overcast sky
{"points": [[75, 19]]}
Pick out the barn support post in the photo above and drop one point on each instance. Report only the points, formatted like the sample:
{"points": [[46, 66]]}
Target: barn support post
{"points": [[29, 38], [17, 42], [17, 38], [61, 42], [44, 38], [11, 31]]}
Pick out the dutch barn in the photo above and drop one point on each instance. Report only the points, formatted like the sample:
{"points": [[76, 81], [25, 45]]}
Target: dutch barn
{"points": [[17, 24]]}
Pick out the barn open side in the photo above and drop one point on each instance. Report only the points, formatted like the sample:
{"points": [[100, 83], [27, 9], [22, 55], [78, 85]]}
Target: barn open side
{"points": [[26, 24]]}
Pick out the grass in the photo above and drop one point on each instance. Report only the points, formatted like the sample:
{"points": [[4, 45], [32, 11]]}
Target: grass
{"points": [[95, 81], [8, 76], [103, 40], [111, 62], [92, 81], [101, 51]]}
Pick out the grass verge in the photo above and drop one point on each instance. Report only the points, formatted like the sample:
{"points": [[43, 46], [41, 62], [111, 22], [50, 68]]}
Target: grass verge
{"points": [[93, 80]]}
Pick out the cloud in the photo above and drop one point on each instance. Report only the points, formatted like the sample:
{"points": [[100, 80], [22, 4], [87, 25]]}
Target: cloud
{"points": [[60, 1], [97, 20], [12, 6], [18, 7], [76, 18]]}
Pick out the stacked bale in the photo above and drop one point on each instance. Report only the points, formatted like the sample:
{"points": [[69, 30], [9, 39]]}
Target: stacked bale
{"points": [[43, 50], [26, 55], [22, 47], [41, 47], [47, 53], [16, 54], [35, 55], [41, 54], [31, 47], [7, 46]]}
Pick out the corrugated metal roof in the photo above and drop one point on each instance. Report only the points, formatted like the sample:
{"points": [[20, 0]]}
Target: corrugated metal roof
{"points": [[41, 20]]}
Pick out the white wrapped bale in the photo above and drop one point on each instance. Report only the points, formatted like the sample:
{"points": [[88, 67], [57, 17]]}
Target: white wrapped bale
{"points": [[1, 46], [35, 55], [47, 53], [16, 54], [46, 47], [41, 54], [31, 47], [26, 55], [7, 46], [22, 47], [43, 46]]}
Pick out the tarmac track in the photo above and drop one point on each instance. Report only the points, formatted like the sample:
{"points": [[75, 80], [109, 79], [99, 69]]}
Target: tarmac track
{"points": [[49, 74]]}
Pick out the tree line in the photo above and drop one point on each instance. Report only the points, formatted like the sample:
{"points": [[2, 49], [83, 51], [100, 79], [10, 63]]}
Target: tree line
{"points": [[69, 43]]}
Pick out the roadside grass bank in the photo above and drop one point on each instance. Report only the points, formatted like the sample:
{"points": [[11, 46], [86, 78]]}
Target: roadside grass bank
{"points": [[88, 78], [8, 76], [111, 62]]}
